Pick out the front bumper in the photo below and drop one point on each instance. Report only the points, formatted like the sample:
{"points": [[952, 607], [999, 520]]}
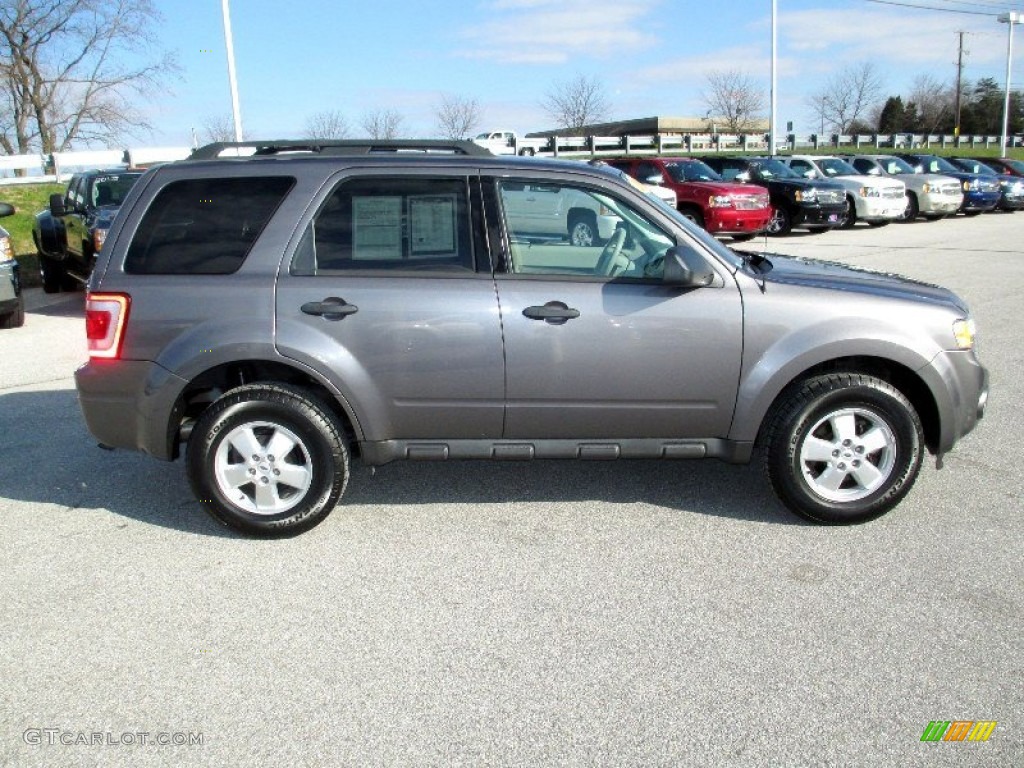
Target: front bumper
{"points": [[728, 221], [880, 208], [980, 201], [940, 204], [816, 215]]}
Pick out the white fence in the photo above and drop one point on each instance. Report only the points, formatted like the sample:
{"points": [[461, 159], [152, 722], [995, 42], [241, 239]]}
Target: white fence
{"points": [[32, 169]]}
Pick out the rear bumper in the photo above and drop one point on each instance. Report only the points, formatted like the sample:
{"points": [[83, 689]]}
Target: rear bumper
{"points": [[130, 404]]}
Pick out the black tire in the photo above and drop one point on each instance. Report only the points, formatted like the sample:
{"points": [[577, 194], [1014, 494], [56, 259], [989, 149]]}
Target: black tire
{"points": [[315, 455], [912, 210], [877, 224], [818, 230], [839, 411], [972, 213], [693, 215], [52, 274], [14, 319], [527, 152], [583, 229], [849, 215], [781, 222]]}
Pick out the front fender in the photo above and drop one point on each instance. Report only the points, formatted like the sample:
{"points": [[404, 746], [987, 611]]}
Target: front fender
{"points": [[769, 371], [49, 235]]}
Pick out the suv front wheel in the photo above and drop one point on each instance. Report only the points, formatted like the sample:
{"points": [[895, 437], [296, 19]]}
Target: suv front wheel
{"points": [[843, 448], [268, 459]]}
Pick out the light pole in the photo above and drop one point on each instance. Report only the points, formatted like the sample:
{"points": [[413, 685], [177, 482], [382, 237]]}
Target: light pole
{"points": [[771, 117], [1009, 19], [232, 79]]}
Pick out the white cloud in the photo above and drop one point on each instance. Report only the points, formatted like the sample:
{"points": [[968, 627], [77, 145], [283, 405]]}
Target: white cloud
{"points": [[552, 31]]}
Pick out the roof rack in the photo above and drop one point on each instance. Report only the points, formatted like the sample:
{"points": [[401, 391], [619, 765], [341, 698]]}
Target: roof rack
{"points": [[339, 147]]}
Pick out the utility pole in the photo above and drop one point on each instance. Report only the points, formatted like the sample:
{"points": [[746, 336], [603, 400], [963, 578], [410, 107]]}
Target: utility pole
{"points": [[959, 85]]}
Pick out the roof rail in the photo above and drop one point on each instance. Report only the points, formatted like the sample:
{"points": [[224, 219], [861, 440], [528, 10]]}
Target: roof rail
{"points": [[339, 147]]}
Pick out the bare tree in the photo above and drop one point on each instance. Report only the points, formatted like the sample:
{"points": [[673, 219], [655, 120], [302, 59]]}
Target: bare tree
{"points": [[576, 103], [219, 128], [327, 125], [382, 123], [69, 69], [735, 99], [457, 116], [935, 103], [848, 97]]}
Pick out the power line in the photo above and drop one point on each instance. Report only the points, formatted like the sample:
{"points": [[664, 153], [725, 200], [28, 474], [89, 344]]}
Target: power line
{"points": [[937, 8]]}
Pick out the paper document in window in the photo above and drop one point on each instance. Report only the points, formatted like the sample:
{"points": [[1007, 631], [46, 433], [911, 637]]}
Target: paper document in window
{"points": [[377, 227], [432, 225]]}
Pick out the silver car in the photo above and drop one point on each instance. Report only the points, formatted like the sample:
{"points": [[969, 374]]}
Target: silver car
{"points": [[277, 315], [931, 195]]}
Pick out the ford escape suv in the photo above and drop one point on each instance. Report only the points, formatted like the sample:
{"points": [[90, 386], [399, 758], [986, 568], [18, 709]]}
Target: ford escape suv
{"points": [[277, 315]]}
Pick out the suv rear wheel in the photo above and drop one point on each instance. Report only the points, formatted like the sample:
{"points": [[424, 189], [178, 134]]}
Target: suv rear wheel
{"points": [[583, 229], [268, 459], [843, 448]]}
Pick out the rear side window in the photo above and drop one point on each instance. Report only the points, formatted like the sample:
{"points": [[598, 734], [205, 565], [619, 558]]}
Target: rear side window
{"points": [[377, 224], [204, 226]]}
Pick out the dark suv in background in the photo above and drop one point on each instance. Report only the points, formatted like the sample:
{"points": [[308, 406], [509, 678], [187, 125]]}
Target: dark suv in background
{"points": [[981, 193], [277, 314], [796, 201]]}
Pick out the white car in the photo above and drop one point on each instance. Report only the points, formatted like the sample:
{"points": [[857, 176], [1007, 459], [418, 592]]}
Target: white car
{"points": [[876, 200], [931, 195]]}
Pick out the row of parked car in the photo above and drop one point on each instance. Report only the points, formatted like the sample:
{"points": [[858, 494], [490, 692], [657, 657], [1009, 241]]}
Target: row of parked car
{"points": [[742, 196]]}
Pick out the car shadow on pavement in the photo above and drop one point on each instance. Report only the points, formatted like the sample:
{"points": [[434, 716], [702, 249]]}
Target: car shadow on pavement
{"points": [[63, 308], [50, 458]]}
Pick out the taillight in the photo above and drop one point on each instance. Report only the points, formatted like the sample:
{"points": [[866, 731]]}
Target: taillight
{"points": [[106, 315]]}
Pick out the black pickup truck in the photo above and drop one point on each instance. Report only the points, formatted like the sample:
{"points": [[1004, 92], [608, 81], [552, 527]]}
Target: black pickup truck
{"points": [[71, 232]]}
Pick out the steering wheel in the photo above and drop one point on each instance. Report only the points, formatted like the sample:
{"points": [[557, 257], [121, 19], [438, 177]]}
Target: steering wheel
{"points": [[606, 262]]}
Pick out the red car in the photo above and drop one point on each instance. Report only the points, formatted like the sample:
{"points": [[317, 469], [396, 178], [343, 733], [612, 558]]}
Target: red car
{"points": [[719, 206]]}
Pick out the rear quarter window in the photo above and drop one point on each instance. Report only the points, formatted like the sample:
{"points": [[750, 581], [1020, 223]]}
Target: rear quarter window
{"points": [[204, 226]]}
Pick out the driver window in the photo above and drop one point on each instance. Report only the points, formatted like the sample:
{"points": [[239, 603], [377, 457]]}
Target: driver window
{"points": [[578, 232]]}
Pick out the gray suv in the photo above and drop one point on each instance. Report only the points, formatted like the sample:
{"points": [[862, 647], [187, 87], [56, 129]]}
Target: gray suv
{"points": [[280, 313]]}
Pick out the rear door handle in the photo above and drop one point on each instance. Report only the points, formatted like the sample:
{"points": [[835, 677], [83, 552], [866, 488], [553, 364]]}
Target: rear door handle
{"points": [[331, 308], [554, 313]]}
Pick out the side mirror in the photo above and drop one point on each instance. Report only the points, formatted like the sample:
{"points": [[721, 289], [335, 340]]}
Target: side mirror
{"points": [[6, 209], [57, 205], [653, 180], [809, 174], [686, 269], [742, 177]]}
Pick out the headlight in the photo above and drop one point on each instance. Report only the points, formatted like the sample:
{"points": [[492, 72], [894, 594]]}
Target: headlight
{"points": [[6, 251], [963, 333], [807, 195], [925, 188], [720, 201], [870, 191], [969, 184]]}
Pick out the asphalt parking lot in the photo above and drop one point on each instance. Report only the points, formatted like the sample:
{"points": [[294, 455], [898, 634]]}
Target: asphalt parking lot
{"points": [[517, 614]]}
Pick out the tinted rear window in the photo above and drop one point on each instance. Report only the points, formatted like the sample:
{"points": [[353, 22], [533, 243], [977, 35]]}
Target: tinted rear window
{"points": [[204, 226]]}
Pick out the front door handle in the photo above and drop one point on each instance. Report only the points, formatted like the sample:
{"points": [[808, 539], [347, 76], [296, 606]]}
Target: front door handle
{"points": [[553, 313], [331, 308]]}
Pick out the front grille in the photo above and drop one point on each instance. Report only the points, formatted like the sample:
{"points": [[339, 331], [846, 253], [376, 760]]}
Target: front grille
{"points": [[948, 189], [893, 193], [988, 186], [750, 203], [830, 196]]}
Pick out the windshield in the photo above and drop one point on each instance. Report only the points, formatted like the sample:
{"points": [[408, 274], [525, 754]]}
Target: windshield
{"points": [[690, 170], [833, 166], [973, 166], [773, 169], [935, 164], [111, 188], [896, 167]]}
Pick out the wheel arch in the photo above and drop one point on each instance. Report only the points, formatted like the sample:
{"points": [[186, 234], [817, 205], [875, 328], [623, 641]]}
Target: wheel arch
{"points": [[900, 376], [206, 387]]}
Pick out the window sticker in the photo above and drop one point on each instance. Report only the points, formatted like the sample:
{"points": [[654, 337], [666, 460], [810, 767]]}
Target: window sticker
{"points": [[432, 225], [376, 227]]}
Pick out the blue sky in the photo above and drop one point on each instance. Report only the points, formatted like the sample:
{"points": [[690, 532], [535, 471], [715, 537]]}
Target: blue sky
{"points": [[295, 59]]}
